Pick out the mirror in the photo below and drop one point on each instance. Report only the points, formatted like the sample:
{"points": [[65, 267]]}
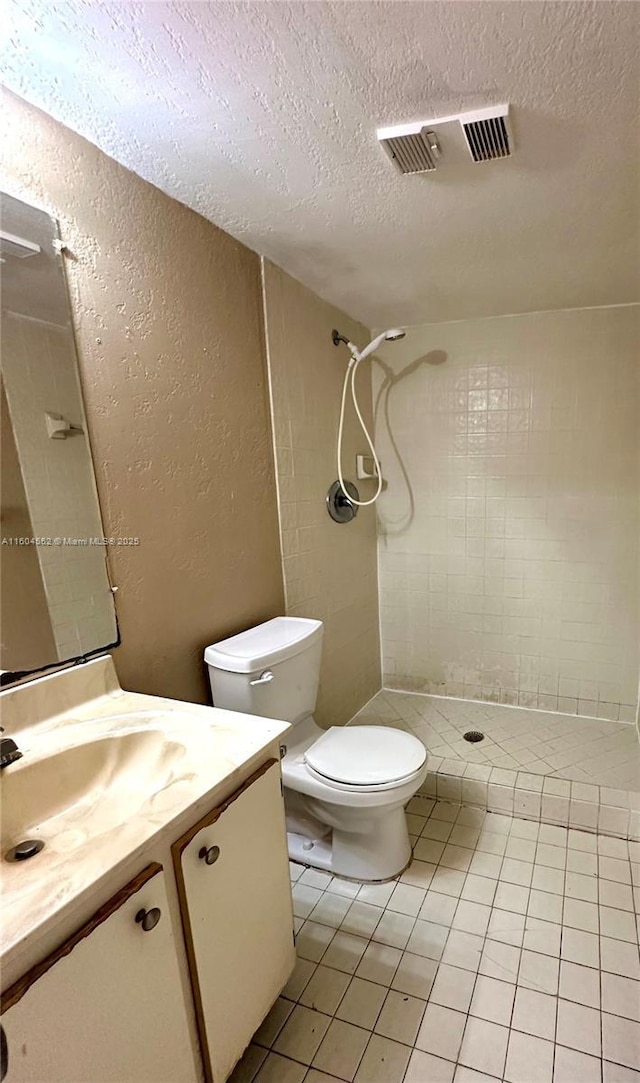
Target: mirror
{"points": [[56, 602]]}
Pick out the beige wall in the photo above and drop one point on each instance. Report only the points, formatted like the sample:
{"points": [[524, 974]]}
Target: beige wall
{"points": [[509, 532], [329, 569], [168, 320]]}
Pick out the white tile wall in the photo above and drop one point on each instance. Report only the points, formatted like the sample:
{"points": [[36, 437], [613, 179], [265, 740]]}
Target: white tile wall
{"points": [[329, 569], [508, 534]]}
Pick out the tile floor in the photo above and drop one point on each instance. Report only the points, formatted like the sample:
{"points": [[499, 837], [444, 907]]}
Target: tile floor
{"points": [[507, 951], [588, 750]]}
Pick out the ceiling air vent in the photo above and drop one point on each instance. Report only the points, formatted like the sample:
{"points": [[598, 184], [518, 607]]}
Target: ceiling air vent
{"points": [[411, 147], [487, 133], [483, 133]]}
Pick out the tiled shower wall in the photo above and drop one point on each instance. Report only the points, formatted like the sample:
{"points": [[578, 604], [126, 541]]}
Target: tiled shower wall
{"points": [[508, 534], [329, 570]]}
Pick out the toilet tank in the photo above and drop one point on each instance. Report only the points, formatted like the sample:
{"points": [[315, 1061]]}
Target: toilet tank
{"points": [[289, 648]]}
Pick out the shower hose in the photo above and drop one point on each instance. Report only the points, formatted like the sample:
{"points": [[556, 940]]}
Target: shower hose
{"points": [[350, 379]]}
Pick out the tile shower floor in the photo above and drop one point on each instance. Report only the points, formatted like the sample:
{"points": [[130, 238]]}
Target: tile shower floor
{"points": [[565, 746], [507, 951]]}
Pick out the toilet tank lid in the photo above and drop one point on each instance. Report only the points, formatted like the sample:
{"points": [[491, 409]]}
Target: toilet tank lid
{"points": [[264, 645]]}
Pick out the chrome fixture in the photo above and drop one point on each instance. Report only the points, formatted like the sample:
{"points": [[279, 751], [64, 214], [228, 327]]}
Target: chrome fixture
{"points": [[9, 751], [343, 505]]}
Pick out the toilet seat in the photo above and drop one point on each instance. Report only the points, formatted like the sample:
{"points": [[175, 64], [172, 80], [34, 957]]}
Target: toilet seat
{"points": [[365, 758], [346, 787]]}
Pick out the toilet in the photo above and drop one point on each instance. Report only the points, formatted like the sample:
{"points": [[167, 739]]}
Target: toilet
{"points": [[345, 787]]}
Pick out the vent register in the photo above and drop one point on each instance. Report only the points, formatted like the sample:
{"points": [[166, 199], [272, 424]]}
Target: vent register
{"points": [[415, 148], [413, 152]]}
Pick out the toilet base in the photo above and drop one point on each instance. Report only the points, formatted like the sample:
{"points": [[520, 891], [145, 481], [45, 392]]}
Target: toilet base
{"points": [[379, 851], [313, 852]]}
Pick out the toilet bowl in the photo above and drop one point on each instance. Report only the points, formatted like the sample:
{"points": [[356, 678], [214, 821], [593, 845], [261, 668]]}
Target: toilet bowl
{"points": [[345, 787]]}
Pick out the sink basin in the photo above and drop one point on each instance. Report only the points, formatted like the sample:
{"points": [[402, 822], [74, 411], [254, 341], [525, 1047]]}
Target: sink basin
{"points": [[82, 784], [88, 788]]}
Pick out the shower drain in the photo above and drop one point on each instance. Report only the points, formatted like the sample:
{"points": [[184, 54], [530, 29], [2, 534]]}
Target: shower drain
{"points": [[474, 736]]}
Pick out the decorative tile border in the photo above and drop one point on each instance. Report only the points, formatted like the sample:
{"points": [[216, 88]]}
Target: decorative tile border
{"points": [[547, 799]]}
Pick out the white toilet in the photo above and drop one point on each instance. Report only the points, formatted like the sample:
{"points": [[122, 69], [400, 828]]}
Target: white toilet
{"points": [[346, 787]]}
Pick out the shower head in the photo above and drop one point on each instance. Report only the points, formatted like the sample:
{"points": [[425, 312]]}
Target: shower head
{"points": [[392, 335]]}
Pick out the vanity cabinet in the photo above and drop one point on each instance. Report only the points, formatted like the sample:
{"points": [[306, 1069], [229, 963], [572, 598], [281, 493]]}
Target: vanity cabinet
{"points": [[107, 1005], [232, 871]]}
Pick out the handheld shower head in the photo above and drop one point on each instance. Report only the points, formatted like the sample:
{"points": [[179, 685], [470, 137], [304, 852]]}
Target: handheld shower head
{"points": [[392, 335]]}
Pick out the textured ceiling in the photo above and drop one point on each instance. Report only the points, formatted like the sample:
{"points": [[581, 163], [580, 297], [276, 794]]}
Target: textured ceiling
{"points": [[262, 117]]}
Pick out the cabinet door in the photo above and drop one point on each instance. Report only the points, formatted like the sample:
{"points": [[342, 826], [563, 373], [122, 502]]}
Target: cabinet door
{"points": [[108, 1005], [233, 876]]}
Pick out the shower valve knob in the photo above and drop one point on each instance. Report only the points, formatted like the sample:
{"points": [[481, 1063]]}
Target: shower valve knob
{"points": [[339, 505]]}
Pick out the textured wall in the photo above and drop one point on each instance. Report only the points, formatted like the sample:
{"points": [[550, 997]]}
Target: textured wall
{"points": [[168, 319], [329, 569], [509, 545]]}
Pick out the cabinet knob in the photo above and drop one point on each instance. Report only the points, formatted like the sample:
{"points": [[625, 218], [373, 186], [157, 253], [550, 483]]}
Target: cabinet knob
{"points": [[210, 854], [4, 1054], [148, 919]]}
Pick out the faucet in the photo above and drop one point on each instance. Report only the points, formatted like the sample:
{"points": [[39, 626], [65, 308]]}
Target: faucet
{"points": [[9, 751]]}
